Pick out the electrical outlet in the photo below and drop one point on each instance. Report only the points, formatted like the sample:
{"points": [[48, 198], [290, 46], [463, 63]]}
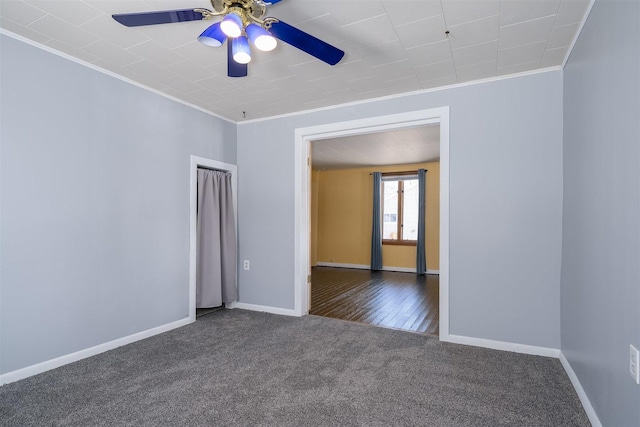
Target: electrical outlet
{"points": [[634, 357], [246, 264]]}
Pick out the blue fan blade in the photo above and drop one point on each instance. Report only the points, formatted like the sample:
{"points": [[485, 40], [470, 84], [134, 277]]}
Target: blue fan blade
{"points": [[306, 42], [161, 17], [234, 69], [272, 1]]}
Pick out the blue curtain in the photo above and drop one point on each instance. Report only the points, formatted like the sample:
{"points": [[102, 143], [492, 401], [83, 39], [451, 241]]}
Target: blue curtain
{"points": [[421, 258], [376, 229]]}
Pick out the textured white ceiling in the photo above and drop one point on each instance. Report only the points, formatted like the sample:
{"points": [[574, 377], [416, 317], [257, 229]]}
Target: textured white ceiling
{"points": [[397, 147], [392, 47]]}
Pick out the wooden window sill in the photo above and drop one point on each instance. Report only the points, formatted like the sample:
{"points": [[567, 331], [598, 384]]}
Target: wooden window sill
{"points": [[400, 242]]}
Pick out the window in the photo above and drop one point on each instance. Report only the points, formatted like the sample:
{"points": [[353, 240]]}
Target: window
{"points": [[389, 217], [400, 208]]}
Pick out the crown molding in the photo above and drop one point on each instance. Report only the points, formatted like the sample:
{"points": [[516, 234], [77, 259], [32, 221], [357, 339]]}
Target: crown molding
{"points": [[575, 39], [404, 94], [109, 73]]}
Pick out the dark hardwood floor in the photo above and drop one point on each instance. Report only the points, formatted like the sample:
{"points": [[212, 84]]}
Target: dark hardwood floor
{"points": [[389, 299]]}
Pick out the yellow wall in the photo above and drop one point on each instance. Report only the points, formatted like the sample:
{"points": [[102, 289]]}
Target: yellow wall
{"points": [[341, 216], [314, 219]]}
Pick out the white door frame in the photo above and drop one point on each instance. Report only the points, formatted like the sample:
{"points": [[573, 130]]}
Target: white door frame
{"points": [[193, 208], [303, 138]]}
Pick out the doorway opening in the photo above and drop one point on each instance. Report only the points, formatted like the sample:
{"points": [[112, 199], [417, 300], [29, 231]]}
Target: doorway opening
{"points": [[343, 285], [201, 162], [304, 136]]}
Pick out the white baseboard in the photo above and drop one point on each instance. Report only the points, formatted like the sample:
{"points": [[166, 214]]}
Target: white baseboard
{"points": [[502, 345], [264, 308], [343, 265], [586, 404], [458, 339], [19, 374], [537, 351], [368, 267]]}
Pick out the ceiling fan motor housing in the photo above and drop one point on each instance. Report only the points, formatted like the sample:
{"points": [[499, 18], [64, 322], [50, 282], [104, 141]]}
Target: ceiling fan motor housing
{"points": [[251, 10]]}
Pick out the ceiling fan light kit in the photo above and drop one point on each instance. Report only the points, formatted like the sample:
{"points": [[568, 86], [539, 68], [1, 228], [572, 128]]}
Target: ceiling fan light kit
{"points": [[261, 38], [242, 20], [241, 50], [232, 25], [213, 36]]}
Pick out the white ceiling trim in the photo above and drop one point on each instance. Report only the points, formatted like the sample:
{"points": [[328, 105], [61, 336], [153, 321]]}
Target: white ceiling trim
{"points": [[400, 95], [389, 49], [295, 113], [109, 73], [575, 39]]}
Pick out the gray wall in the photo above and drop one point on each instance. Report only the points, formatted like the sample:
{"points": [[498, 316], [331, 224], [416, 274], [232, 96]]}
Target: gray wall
{"points": [[600, 290], [95, 205], [505, 211]]}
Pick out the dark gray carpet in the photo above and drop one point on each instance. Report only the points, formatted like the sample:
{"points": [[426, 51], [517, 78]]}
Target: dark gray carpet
{"points": [[236, 367]]}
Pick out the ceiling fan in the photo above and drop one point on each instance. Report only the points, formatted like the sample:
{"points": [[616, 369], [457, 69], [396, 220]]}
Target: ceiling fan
{"points": [[242, 21]]}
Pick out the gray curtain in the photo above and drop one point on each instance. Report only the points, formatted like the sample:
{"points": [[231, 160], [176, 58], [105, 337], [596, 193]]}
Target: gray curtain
{"points": [[421, 257], [376, 230], [216, 240]]}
